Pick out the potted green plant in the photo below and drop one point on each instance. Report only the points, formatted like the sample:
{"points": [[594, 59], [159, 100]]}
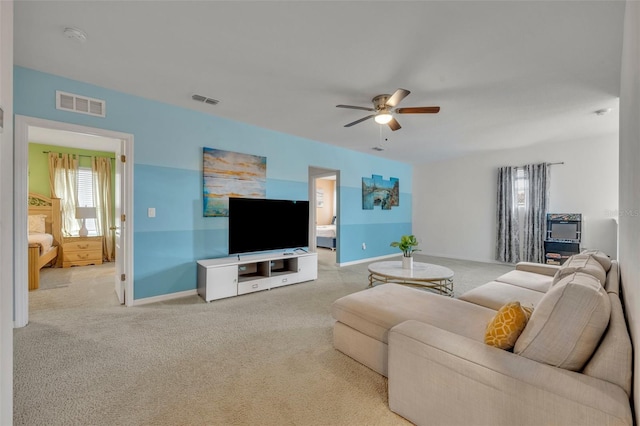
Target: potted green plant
{"points": [[407, 245]]}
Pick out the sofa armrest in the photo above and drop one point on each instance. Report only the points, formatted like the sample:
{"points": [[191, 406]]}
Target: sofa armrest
{"points": [[537, 268], [438, 377]]}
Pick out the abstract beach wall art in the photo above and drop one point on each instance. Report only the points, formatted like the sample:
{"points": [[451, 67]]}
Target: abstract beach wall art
{"points": [[231, 174], [379, 192]]}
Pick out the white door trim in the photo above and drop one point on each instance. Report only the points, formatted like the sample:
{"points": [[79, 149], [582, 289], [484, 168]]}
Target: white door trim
{"points": [[21, 164]]}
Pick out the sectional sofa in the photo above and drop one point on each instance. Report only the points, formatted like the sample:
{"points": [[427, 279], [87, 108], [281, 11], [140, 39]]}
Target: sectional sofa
{"points": [[571, 364]]}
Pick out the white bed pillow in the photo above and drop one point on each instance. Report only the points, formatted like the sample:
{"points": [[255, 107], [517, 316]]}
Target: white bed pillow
{"points": [[36, 223]]}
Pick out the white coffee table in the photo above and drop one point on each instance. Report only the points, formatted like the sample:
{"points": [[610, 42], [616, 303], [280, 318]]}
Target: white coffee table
{"points": [[423, 275]]}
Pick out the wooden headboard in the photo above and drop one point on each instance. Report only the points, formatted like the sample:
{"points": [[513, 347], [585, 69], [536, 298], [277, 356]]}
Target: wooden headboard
{"points": [[50, 207]]}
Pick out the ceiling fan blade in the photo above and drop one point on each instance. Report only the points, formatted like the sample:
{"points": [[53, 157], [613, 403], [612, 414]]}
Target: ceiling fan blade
{"points": [[394, 125], [353, 123], [355, 107], [418, 110], [395, 99]]}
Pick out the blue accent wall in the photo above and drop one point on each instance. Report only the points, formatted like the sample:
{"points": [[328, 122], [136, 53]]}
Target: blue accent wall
{"points": [[168, 142]]}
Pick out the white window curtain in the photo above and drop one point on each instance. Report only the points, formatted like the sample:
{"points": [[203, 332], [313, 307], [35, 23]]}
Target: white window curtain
{"points": [[102, 196], [63, 178]]}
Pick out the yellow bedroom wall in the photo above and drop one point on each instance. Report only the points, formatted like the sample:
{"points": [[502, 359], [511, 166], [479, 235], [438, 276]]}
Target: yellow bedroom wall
{"points": [[324, 214]]}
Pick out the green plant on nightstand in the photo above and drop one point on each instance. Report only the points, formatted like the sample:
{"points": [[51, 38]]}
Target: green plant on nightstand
{"points": [[406, 244]]}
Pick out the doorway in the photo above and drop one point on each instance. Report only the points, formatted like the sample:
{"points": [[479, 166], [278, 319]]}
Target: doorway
{"points": [[121, 144], [324, 187]]}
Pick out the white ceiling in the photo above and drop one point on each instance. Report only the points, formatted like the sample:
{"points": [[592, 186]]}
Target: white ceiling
{"points": [[506, 74]]}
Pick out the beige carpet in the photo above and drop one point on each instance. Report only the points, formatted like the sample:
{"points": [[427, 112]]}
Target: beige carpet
{"points": [[264, 358]]}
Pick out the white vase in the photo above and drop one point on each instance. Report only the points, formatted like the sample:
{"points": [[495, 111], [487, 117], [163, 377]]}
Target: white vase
{"points": [[407, 262]]}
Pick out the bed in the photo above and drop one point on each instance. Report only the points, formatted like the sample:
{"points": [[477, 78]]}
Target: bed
{"points": [[44, 235], [326, 236]]}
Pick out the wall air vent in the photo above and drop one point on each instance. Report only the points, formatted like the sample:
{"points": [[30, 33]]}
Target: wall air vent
{"points": [[204, 99], [81, 104]]}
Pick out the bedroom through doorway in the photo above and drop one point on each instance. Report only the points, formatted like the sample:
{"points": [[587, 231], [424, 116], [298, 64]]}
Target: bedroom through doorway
{"points": [[121, 144], [324, 186], [84, 270]]}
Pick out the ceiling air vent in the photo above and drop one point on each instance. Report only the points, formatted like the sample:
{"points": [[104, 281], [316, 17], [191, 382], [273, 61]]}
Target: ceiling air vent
{"points": [[204, 99], [81, 104]]}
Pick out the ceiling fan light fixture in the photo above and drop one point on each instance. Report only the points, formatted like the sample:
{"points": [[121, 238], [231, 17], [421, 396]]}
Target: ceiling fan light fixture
{"points": [[384, 105], [383, 118]]}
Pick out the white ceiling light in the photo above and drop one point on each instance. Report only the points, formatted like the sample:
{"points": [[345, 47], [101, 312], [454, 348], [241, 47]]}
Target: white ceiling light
{"points": [[383, 118], [75, 34]]}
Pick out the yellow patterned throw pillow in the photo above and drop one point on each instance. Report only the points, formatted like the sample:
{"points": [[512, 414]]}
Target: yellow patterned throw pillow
{"points": [[503, 330]]}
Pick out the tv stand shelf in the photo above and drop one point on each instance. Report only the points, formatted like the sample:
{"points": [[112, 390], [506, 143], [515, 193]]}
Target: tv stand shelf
{"points": [[557, 252], [233, 276]]}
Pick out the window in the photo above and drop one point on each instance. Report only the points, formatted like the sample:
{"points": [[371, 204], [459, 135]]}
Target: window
{"points": [[85, 195], [521, 187]]}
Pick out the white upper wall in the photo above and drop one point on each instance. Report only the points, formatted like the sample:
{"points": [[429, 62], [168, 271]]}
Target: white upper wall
{"points": [[455, 201], [630, 182]]}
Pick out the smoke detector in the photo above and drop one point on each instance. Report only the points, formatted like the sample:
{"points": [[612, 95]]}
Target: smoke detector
{"points": [[75, 34]]}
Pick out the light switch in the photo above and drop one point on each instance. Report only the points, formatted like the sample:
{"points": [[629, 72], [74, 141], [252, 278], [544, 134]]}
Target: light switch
{"points": [[151, 212]]}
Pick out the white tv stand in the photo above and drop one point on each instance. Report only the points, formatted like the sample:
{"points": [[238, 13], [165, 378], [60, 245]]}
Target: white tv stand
{"points": [[234, 276]]}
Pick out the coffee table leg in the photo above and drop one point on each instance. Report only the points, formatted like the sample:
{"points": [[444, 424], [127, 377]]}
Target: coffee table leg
{"points": [[377, 279]]}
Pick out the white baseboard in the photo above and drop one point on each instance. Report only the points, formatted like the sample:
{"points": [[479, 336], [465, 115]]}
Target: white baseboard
{"points": [[369, 259], [164, 297]]}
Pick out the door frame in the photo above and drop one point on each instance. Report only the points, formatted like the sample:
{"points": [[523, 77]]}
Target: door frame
{"points": [[21, 165], [315, 173]]}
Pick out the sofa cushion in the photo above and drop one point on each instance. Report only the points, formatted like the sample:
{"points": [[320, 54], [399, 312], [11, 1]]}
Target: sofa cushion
{"points": [[613, 359], [376, 310], [600, 256], [537, 268], [567, 324], [503, 330], [530, 280], [494, 295], [612, 284], [581, 263]]}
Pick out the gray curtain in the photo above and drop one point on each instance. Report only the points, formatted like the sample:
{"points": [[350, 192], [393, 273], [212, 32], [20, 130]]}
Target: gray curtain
{"points": [[536, 200], [507, 223]]}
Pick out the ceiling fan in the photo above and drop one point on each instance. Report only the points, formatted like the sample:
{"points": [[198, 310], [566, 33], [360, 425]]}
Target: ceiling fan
{"points": [[383, 107]]}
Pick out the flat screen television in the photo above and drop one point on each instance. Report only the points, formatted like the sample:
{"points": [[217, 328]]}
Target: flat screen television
{"points": [[257, 224]]}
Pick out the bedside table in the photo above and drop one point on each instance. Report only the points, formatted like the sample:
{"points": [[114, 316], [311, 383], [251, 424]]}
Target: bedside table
{"points": [[81, 251]]}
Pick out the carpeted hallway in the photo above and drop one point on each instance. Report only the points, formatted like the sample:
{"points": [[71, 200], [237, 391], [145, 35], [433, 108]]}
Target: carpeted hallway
{"points": [[264, 358]]}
